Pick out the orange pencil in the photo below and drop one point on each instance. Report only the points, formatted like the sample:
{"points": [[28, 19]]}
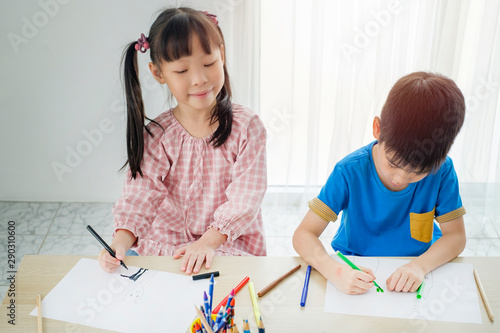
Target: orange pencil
{"points": [[224, 301]]}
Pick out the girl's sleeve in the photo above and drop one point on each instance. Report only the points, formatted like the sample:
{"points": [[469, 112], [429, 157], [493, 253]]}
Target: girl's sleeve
{"points": [[249, 182], [141, 197]]}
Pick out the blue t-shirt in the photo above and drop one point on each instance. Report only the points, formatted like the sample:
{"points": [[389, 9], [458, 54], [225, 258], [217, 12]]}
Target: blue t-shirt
{"points": [[379, 222]]}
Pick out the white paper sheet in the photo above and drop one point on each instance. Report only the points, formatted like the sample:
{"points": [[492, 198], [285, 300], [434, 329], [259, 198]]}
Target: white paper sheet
{"points": [[155, 302], [450, 294]]}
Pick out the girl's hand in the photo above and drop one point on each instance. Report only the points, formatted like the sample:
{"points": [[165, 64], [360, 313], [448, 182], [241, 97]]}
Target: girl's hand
{"points": [[107, 262], [194, 256], [351, 281], [406, 278]]}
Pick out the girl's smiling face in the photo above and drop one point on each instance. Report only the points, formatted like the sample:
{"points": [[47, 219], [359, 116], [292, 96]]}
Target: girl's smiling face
{"points": [[194, 80]]}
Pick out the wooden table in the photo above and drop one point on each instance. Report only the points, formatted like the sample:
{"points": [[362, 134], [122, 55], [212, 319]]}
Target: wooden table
{"points": [[280, 308]]}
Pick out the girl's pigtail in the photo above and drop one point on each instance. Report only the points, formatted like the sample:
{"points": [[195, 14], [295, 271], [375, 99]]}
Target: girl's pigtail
{"points": [[223, 111], [135, 110]]}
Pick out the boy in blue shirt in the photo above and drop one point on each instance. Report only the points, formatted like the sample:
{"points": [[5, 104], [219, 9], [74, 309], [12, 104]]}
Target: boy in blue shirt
{"points": [[391, 190]]}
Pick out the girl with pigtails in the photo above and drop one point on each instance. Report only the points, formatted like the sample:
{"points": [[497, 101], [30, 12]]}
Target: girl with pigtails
{"points": [[196, 174]]}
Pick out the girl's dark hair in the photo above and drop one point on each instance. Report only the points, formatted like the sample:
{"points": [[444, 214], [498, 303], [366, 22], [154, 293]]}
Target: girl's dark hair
{"points": [[170, 39], [420, 119]]}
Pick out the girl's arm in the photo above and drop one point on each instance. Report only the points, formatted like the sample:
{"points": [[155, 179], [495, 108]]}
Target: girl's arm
{"points": [[449, 246], [248, 186], [307, 244]]}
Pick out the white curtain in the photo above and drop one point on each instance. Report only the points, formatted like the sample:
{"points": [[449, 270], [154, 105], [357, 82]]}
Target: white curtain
{"points": [[328, 65], [239, 21]]}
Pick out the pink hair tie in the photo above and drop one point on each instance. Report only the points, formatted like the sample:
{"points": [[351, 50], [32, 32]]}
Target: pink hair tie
{"points": [[142, 44], [212, 17]]}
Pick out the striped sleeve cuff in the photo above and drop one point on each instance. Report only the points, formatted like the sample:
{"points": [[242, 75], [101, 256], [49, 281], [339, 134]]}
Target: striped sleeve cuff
{"points": [[451, 215], [320, 208]]}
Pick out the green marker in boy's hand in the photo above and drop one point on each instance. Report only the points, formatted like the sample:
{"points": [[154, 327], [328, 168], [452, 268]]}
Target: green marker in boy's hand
{"points": [[347, 261], [420, 290]]}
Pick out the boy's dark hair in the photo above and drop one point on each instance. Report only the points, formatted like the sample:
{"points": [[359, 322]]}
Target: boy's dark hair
{"points": [[420, 120], [170, 39]]}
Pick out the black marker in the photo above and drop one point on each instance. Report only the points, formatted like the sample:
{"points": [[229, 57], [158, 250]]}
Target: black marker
{"points": [[205, 275], [103, 243]]}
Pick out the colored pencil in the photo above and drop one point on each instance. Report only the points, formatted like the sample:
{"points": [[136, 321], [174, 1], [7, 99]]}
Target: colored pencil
{"points": [[255, 305], [260, 326], [483, 296], [104, 244], [277, 281], [224, 301], [246, 327], [39, 314], [347, 261], [306, 286], [205, 275], [203, 320]]}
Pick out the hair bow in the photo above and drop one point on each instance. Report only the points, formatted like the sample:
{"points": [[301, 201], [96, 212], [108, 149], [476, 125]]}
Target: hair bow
{"points": [[212, 17], [142, 44]]}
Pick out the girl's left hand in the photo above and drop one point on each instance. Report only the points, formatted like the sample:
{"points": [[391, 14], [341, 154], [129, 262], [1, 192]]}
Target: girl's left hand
{"points": [[194, 256], [406, 278]]}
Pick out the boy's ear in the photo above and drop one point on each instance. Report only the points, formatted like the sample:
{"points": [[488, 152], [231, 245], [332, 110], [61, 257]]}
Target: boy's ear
{"points": [[156, 73], [376, 127]]}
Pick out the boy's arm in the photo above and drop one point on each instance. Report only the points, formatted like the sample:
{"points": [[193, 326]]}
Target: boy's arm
{"points": [[307, 244], [449, 246]]}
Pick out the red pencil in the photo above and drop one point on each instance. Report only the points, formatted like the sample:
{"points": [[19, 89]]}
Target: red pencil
{"points": [[224, 301]]}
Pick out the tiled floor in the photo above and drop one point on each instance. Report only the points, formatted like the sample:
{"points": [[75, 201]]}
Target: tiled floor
{"points": [[59, 228]]}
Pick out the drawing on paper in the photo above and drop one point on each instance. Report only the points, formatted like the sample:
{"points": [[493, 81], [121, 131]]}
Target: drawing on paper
{"points": [[136, 289]]}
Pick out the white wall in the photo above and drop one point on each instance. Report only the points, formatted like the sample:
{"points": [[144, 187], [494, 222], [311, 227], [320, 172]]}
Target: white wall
{"points": [[62, 129]]}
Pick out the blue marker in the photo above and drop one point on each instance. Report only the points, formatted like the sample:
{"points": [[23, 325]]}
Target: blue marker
{"points": [[306, 286]]}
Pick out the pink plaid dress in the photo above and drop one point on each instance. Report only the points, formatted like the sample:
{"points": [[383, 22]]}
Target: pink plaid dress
{"points": [[188, 187]]}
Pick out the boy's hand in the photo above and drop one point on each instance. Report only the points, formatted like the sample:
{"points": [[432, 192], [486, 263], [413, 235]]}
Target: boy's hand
{"points": [[107, 262], [406, 278], [351, 281], [194, 256]]}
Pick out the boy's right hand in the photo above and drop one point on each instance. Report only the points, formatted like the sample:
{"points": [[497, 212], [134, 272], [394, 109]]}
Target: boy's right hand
{"points": [[351, 281], [107, 262]]}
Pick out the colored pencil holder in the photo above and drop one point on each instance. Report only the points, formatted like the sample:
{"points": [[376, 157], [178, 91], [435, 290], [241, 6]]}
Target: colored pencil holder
{"points": [[197, 320]]}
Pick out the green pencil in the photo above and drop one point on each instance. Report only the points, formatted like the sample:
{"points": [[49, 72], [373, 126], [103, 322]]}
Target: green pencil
{"points": [[347, 261], [420, 290]]}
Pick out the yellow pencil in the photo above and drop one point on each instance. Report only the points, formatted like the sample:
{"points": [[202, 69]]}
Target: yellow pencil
{"points": [[256, 310]]}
